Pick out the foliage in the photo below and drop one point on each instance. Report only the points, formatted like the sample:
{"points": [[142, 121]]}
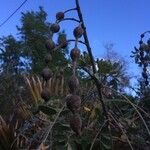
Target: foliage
{"points": [[10, 55], [34, 31], [87, 113]]}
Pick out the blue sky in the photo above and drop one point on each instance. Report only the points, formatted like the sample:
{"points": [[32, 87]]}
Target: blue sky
{"points": [[116, 21]]}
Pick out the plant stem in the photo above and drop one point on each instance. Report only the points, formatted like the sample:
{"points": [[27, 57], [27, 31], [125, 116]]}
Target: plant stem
{"points": [[85, 35], [72, 9], [51, 126], [97, 135], [96, 80], [68, 19]]}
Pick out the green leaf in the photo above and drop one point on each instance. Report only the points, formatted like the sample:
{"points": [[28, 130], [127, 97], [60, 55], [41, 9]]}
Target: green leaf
{"points": [[47, 110]]}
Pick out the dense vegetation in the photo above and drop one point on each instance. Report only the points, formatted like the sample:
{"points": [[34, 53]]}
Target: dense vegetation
{"points": [[52, 100]]}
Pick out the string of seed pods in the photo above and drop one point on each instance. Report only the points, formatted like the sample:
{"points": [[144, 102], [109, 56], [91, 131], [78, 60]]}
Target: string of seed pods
{"points": [[51, 47], [73, 100], [144, 56]]}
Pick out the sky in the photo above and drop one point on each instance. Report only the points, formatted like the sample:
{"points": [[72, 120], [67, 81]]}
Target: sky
{"points": [[107, 21]]}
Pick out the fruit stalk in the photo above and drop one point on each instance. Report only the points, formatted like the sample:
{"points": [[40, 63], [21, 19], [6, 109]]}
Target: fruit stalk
{"points": [[97, 82]]}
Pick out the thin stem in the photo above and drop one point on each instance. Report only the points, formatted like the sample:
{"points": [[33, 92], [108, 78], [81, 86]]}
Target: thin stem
{"points": [[72, 9], [134, 108], [76, 43], [69, 19], [146, 32], [99, 89], [120, 126], [85, 35], [97, 82], [72, 40], [74, 64], [97, 134], [51, 126]]}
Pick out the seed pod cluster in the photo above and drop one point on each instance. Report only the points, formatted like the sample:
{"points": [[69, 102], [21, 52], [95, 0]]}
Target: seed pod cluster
{"points": [[73, 103], [76, 124], [60, 15], [45, 94], [73, 100], [142, 56], [48, 58], [55, 27], [46, 73], [62, 40], [73, 84], [78, 32], [75, 54], [50, 45]]}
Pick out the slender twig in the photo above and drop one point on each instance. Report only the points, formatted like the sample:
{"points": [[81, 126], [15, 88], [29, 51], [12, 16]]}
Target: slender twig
{"points": [[97, 134], [85, 35], [79, 41], [146, 32], [51, 125], [133, 107], [120, 126], [72, 9], [70, 19], [119, 100], [97, 82]]}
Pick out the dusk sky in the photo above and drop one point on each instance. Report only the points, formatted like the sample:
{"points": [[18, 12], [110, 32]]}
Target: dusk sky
{"points": [[117, 21]]}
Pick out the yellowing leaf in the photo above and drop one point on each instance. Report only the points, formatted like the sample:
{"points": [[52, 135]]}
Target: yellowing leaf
{"points": [[87, 109]]}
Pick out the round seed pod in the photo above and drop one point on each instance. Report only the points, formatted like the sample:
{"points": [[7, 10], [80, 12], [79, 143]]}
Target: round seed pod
{"points": [[73, 84], [75, 54], [73, 103], [48, 58], [144, 69], [147, 58], [50, 45], [141, 53], [62, 41], [46, 73], [144, 75], [148, 42], [78, 32], [146, 83], [45, 94], [61, 71], [140, 42], [60, 15], [145, 65], [143, 46], [142, 35], [76, 124], [55, 28]]}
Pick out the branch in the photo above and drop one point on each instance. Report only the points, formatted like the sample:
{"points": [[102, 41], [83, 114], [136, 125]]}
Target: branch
{"points": [[85, 36], [71, 40], [134, 106], [71, 19], [72, 9], [51, 126], [121, 128], [97, 134]]}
